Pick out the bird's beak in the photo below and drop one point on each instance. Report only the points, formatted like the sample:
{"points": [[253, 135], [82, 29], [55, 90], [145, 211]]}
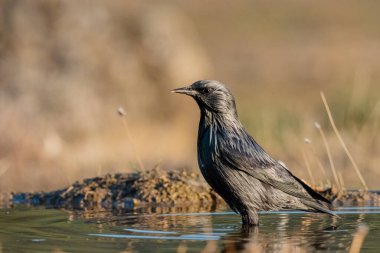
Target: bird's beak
{"points": [[185, 90]]}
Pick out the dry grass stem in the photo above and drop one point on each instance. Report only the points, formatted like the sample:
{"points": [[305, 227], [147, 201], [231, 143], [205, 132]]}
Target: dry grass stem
{"points": [[341, 181], [342, 142], [122, 114], [323, 171], [317, 160], [359, 237], [308, 167], [318, 126]]}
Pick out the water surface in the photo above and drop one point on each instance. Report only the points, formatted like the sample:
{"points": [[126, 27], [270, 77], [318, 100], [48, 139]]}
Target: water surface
{"points": [[165, 230]]}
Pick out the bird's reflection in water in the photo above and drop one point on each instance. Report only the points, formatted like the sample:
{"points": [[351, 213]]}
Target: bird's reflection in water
{"points": [[308, 234], [278, 232]]}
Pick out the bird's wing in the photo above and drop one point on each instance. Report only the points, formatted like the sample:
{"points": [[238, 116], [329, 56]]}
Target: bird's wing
{"points": [[255, 162]]}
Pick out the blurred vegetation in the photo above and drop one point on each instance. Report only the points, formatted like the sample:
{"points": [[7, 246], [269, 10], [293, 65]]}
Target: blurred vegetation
{"points": [[65, 67]]}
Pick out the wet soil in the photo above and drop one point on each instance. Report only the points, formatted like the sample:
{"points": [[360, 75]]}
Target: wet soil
{"points": [[158, 187]]}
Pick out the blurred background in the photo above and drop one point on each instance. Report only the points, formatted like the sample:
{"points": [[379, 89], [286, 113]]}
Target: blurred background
{"points": [[66, 66]]}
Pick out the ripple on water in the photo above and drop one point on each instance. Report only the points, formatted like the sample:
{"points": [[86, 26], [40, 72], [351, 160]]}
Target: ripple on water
{"points": [[36, 230]]}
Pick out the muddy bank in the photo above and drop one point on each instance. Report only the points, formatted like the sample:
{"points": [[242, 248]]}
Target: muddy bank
{"points": [[347, 197], [156, 188]]}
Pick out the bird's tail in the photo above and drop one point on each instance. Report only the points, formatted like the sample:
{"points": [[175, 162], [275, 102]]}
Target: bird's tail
{"points": [[319, 207]]}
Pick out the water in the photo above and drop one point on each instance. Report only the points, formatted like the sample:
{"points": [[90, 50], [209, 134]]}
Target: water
{"points": [[168, 230]]}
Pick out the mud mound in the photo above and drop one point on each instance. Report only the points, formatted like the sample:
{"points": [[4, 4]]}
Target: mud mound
{"points": [[348, 197], [156, 188], [149, 188]]}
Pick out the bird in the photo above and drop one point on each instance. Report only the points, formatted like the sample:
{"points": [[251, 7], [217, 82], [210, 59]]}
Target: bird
{"points": [[237, 167]]}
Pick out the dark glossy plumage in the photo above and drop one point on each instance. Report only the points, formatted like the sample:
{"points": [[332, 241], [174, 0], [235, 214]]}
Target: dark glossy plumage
{"points": [[238, 168]]}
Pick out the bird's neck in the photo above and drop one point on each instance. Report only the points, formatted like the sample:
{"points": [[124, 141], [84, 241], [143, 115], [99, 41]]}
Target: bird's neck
{"points": [[226, 121]]}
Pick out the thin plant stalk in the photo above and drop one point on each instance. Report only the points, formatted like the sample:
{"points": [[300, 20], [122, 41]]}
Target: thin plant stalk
{"points": [[308, 142], [342, 142], [139, 161], [323, 171], [341, 179], [308, 167], [122, 113], [318, 126]]}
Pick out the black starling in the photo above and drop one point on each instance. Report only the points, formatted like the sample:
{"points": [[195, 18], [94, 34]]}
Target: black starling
{"points": [[237, 167]]}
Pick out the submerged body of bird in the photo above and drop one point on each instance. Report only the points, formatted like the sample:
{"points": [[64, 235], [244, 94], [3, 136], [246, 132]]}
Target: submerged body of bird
{"points": [[237, 167]]}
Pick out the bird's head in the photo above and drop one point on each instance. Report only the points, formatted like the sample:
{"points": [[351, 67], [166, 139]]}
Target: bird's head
{"points": [[211, 96]]}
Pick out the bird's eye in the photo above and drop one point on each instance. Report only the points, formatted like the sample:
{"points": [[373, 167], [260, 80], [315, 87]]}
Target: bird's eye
{"points": [[205, 90]]}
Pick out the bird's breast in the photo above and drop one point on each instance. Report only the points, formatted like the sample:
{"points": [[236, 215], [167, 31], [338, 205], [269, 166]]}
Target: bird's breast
{"points": [[208, 152]]}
